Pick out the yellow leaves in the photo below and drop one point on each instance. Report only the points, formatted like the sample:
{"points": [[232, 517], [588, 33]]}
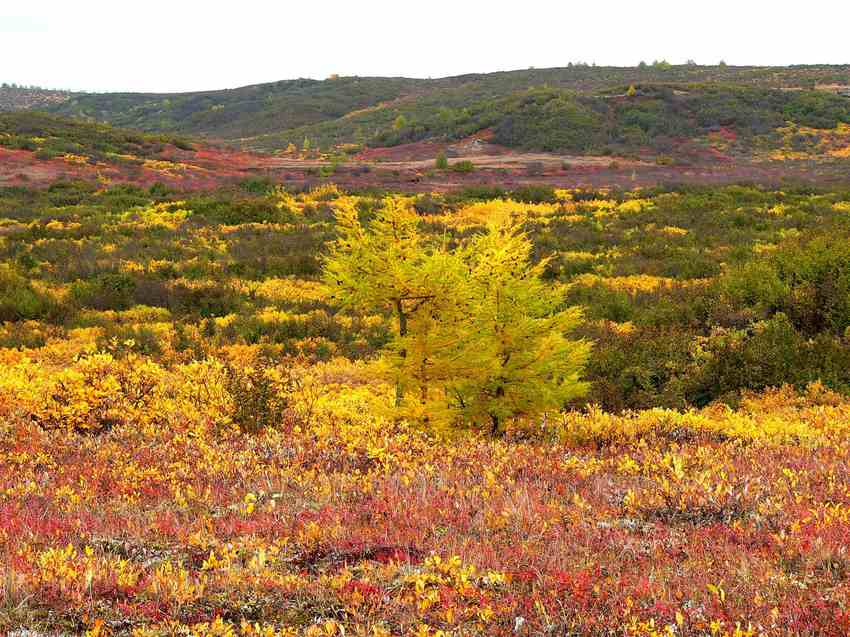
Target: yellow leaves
{"points": [[495, 578], [311, 533], [498, 211], [75, 159], [676, 464], [718, 591], [75, 574], [580, 503], [58, 565], [216, 628], [220, 561], [289, 290], [824, 142], [630, 501], [94, 393], [634, 206], [774, 417], [673, 231], [634, 284], [485, 614], [167, 214], [328, 628], [249, 502], [67, 498], [97, 630], [167, 167], [174, 583], [627, 465]]}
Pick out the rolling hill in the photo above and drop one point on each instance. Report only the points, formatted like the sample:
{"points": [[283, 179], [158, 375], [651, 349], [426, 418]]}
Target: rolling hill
{"points": [[578, 109], [16, 98]]}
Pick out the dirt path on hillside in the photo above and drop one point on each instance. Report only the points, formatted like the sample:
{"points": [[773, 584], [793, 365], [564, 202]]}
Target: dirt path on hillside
{"points": [[511, 160]]}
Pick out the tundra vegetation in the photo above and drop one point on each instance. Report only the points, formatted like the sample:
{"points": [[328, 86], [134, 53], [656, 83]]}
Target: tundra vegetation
{"points": [[258, 411]]}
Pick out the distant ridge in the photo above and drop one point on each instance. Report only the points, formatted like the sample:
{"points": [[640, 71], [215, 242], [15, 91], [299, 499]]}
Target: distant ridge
{"points": [[657, 109]]}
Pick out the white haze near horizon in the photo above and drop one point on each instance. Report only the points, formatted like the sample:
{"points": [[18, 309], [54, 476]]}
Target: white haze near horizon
{"points": [[190, 45]]}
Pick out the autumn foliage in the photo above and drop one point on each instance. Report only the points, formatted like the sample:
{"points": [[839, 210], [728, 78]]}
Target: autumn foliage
{"points": [[199, 434]]}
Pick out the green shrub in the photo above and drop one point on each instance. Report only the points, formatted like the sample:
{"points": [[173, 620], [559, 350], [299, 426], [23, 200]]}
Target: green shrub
{"points": [[109, 291], [182, 144], [70, 193], [817, 274], [765, 356], [121, 339], [19, 301], [257, 185], [749, 291], [535, 194], [638, 370], [233, 212], [427, 204], [463, 166], [257, 403], [601, 302]]}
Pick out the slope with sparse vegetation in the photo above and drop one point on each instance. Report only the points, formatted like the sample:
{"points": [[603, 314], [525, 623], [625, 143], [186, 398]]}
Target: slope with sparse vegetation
{"points": [[572, 109]]}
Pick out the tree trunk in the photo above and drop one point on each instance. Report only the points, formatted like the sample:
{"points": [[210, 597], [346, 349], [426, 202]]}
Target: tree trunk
{"points": [[402, 332], [494, 425]]}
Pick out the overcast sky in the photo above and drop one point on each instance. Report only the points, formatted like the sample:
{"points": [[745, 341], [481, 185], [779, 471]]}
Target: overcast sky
{"points": [[186, 45]]}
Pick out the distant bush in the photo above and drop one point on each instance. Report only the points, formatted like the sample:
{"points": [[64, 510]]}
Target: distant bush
{"points": [[771, 354], [109, 291], [70, 193], [45, 154], [182, 144], [427, 204], [535, 194], [534, 168], [123, 339], [257, 403], [475, 193], [257, 185], [441, 163], [19, 301], [463, 166], [817, 275], [602, 302], [638, 370], [752, 288], [236, 211], [159, 189]]}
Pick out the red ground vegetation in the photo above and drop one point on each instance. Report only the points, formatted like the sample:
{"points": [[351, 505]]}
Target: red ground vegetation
{"points": [[410, 168]]}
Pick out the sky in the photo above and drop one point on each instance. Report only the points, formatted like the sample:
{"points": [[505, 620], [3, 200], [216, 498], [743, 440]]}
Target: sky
{"points": [[189, 45]]}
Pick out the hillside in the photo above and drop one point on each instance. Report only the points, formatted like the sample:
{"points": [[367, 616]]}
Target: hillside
{"points": [[655, 119], [15, 98], [241, 112], [573, 109], [37, 148], [54, 136]]}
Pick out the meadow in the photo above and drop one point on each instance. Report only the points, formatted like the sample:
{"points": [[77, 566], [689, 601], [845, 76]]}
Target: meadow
{"points": [[196, 438]]}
